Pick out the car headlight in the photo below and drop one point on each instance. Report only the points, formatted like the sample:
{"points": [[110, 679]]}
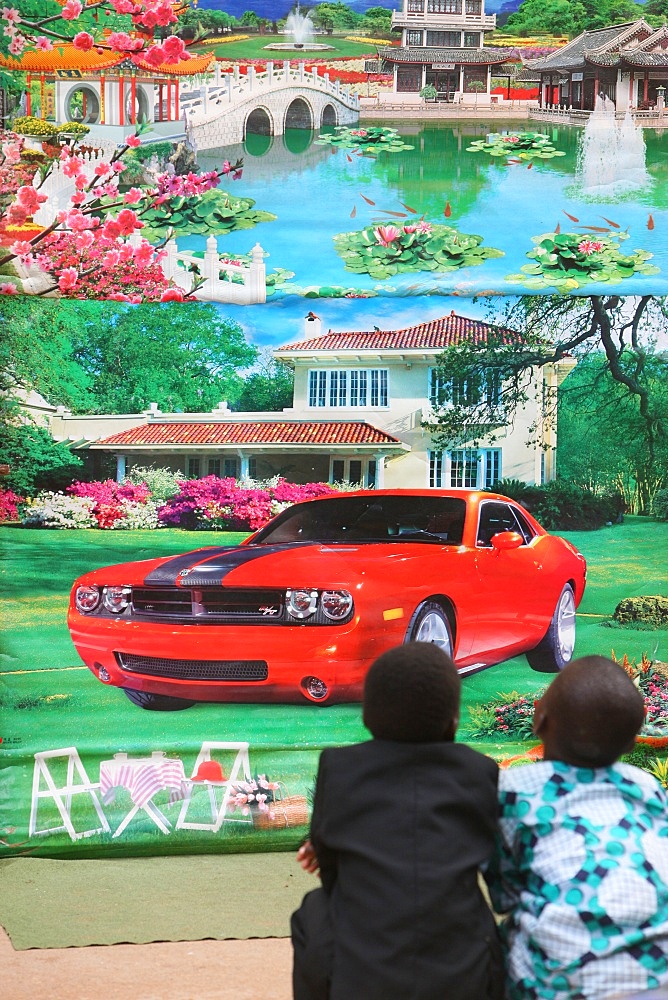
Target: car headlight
{"points": [[116, 599], [86, 598], [301, 603], [336, 604]]}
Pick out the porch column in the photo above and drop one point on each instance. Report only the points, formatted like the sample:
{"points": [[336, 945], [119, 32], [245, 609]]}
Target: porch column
{"points": [[177, 111], [102, 121], [243, 467], [645, 85], [461, 79], [42, 97], [595, 87], [169, 100], [570, 90], [133, 99], [28, 95], [160, 99], [631, 81], [120, 468], [121, 100], [380, 470]]}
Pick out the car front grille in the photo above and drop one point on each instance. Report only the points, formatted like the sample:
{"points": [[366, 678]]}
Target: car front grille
{"points": [[213, 605], [195, 670]]}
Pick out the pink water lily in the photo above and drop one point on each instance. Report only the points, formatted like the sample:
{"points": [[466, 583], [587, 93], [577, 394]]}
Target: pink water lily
{"points": [[590, 246], [386, 235]]}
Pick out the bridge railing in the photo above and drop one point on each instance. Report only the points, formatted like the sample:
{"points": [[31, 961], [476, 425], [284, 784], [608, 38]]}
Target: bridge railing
{"points": [[230, 88], [224, 280]]}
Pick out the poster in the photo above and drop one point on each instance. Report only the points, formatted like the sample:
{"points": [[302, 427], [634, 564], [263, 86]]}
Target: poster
{"points": [[339, 229]]}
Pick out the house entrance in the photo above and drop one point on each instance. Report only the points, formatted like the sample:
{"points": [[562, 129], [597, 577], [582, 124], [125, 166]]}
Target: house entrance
{"points": [[445, 81]]}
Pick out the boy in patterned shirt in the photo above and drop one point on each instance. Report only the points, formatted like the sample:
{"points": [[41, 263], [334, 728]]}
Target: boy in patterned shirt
{"points": [[582, 864]]}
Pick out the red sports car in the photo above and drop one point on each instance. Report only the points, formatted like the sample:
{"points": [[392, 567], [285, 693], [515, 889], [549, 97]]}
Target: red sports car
{"points": [[302, 607]]}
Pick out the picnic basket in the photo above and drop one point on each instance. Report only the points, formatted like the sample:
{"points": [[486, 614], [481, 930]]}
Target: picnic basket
{"points": [[285, 811]]}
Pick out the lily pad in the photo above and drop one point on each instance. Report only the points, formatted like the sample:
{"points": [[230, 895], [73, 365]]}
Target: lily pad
{"points": [[523, 145], [368, 141]]}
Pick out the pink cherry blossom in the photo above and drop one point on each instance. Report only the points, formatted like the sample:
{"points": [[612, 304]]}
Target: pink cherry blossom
{"points": [[174, 49], [123, 6], [11, 152], [71, 10], [132, 196], [144, 253], [128, 222], [386, 235], [78, 198], [102, 169], [133, 141], [17, 45], [83, 41], [72, 166], [110, 189], [16, 215], [68, 279], [43, 44], [11, 14], [84, 240], [121, 41], [6, 288], [21, 248], [29, 199], [154, 55]]}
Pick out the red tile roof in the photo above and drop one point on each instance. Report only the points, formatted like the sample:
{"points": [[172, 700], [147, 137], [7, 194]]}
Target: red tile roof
{"points": [[279, 432], [437, 335]]}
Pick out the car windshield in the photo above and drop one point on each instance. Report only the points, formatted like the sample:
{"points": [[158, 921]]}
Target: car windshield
{"points": [[369, 519]]}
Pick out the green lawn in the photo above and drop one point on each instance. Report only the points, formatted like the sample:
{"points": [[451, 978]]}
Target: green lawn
{"points": [[254, 48], [49, 700]]}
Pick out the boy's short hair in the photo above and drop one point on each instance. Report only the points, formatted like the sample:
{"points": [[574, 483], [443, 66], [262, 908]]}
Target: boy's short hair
{"points": [[596, 710], [411, 694]]}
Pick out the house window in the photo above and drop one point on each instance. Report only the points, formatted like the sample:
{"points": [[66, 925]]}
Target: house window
{"points": [[465, 392], [193, 468], [475, 79], [444, 39], [464, 468], [252, 468], [409, 79], [415, 7], [213, 467], [356, 387], [414, 38], [444, 6], [354, 470], [471, 39], [230, 468], [473, 7]]}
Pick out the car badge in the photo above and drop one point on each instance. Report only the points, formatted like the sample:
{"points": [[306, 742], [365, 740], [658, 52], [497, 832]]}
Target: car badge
{"points": [[185, 572], [267, 609]]}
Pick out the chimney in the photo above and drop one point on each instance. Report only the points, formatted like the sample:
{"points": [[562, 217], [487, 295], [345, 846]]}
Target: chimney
{"points": [[312, 326]]}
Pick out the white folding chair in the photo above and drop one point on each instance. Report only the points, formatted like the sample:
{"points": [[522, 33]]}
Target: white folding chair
{"points": [[241, 765], [63, 794]]}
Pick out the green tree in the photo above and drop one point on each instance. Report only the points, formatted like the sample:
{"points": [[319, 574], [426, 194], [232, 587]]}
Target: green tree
{"points": [[182, 358], [377, 20], [268, 386], [336, 15], [486, 383], [570, 16], [36, 462]]}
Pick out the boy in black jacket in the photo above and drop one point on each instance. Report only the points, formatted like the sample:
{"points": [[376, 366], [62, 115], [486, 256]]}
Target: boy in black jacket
{"points": [[401, 826]]}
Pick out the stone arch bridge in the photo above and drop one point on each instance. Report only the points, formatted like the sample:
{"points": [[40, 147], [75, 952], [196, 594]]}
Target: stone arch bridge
{"points": [[226, 109]]}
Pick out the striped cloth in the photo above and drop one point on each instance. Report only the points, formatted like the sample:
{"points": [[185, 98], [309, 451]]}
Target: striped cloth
{"points": [[143, 777]]}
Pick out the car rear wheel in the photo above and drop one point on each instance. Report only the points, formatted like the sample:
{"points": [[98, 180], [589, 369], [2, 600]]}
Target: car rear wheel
{"points": [[157, 702], [556, 649], [430, 624]]}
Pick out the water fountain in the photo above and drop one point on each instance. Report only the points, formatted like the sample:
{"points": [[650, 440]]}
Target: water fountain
{"points": [[611, 160], [302, 31]]}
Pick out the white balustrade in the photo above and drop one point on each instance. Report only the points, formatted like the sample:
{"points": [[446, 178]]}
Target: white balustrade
{"points": [[218, 286]]}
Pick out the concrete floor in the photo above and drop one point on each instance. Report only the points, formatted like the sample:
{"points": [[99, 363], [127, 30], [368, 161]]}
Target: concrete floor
{"points": [[258, 969]]}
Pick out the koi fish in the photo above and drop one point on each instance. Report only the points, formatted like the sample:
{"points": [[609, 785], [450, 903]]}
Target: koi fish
{"points": [[529, 165], [408, 208], [573, 218], [447, 211], [399, 215], [349, 158], [513, 161], [615, 225], [650, 222], [354, 212], [594, 229], [557, 229], [367, 200]]}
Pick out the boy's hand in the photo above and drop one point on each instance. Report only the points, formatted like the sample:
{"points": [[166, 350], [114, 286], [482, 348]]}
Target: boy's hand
{"points": [[306, 857]]}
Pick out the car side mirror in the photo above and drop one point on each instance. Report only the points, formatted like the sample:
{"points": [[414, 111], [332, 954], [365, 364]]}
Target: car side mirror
{"points": [[505, 540]]}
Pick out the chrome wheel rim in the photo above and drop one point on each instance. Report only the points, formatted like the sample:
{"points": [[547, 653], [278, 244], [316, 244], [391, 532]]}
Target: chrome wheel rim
{"points": [[566, 625], [432, 628]]}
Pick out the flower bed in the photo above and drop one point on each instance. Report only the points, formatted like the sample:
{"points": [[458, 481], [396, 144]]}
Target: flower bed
{"points": [[10, 504], [567, 261], [210, 504], [383, 251]]}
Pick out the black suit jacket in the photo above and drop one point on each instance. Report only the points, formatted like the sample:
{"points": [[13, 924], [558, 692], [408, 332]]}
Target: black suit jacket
{"points": [[400, 831]]}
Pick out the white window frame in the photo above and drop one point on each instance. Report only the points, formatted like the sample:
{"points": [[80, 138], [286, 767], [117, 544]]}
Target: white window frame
{"points": [[365, 461], [348, 388], [444, 467]]}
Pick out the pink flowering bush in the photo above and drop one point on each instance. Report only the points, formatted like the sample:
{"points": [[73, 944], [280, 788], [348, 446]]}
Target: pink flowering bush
{"points": [[223, 504], [9, 505]]}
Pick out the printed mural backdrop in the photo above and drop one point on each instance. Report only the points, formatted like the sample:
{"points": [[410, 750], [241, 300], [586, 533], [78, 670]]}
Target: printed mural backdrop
{"points": [[177, 208]]}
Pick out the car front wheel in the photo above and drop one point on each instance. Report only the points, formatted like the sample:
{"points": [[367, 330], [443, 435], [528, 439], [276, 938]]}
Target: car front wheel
{"points": [[556, 649], [157, 702], [430, 624]]}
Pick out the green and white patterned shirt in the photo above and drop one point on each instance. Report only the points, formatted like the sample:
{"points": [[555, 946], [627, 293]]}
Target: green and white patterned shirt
{"points": [[582, 870]]}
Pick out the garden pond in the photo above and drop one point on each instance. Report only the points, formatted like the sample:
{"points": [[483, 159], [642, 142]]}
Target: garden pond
{"points": [[440, 208]]}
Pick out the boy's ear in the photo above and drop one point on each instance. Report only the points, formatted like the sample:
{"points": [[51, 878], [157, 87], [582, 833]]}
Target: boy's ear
{"points": [[451, 728]]}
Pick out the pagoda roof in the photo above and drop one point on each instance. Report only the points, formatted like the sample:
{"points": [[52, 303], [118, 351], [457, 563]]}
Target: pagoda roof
{"points": [[466, 56], [66, 57]]}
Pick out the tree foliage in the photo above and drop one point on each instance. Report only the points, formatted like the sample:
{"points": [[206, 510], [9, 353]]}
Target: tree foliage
{"points": [[571, 16], [482, 386], [268, 386]]}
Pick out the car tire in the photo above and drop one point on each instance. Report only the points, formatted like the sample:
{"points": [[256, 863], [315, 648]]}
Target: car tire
{"points": [[430, 624], [157, 702], [556, 649]]}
